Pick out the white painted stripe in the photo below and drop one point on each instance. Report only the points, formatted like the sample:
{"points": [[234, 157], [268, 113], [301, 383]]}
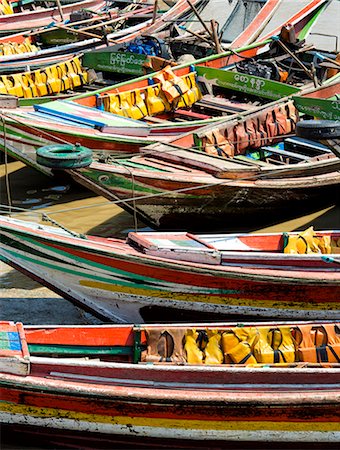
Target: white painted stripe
{"points": [[318, 386], [173, 433]]}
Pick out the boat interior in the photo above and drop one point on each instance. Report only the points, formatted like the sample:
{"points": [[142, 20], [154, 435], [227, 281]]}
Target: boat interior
{"points": [[218, 248], [263, 345]]}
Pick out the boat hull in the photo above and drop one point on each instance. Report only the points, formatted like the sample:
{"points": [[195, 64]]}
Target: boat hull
{"points": [[188, 406], [167, 201], [123, 285]]}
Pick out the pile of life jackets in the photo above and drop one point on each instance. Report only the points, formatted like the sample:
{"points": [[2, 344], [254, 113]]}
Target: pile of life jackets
{"points": [[254, 132], [244, 345], [49, 80], [308, 242], [5, 8], [14, 48], [167, 92]]}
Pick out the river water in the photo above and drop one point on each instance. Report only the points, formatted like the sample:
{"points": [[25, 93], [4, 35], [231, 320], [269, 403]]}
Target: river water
{"points": [[78, 209]]}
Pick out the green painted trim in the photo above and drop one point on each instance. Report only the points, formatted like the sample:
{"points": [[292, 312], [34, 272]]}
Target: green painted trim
{"points": [[305, 30], [118, 181], [115, 61], [137, 348], [79, 349], [318, 108], [37, 100], [153, 284], [250, 84]]}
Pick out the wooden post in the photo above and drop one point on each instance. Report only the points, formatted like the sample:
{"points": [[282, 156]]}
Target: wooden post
{"points": [[214, 32], [155, 7], [60, 10], [85, 33], [202, 38]]}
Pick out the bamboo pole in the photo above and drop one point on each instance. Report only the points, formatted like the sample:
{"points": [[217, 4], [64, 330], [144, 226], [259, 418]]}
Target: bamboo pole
{"points": [[296, 59], [214, 33], [60, 10], [200, 19], [85, 33], [196, 35], [45, 30], [154, 13]]}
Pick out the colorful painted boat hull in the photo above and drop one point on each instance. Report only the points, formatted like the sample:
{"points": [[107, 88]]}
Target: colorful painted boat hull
{"points": [[221, 416], [122, 284], [169, 402], [169, 199]]}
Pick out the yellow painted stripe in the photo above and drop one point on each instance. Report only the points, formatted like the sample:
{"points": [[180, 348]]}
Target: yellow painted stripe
{"points": [[205, 298], [171, 423]]}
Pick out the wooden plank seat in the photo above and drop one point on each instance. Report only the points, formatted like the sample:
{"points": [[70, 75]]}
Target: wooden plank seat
{"points": [[222, 105], [286, 154], [199, 160]]}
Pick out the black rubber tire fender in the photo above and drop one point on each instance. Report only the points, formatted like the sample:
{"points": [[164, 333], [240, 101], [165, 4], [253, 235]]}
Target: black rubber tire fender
{"points": [[318, 129]]}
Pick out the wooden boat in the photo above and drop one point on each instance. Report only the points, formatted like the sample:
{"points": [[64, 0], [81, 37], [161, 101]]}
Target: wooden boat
{"points": [[244, 22], [142, 112], [27, 20], [300, 15], [223, 175], [99, 383], [124, 281], [149, 25]]}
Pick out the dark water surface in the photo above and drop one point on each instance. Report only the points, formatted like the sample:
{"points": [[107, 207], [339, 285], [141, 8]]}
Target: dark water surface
{"points": [[76, 208]]}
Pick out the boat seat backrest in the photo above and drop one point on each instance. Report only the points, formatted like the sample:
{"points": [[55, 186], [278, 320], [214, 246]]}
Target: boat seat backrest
{"points": [[244, 345], [153, 99], [164, 345], [252, 132]]}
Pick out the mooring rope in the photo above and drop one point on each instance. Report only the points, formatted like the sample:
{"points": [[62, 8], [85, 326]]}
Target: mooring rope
{"points": [[8, 190]]}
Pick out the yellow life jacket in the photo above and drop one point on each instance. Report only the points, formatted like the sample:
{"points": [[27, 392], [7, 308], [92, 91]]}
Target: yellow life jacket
{"points": [[237, 345], [194, 354], [3, 87], [319, 344], [13, 84], [138, 108], [66, 81], [275, 345], [5, 7], [213, 352], [156, 101], [50, 76], [28, 86], [192, 95], [305, 242], [39, 83]]}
